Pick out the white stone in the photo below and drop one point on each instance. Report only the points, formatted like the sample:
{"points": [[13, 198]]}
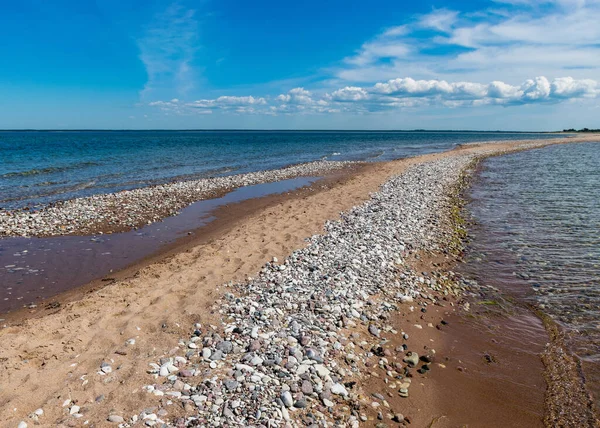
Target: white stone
{"points": [[339, 389]]}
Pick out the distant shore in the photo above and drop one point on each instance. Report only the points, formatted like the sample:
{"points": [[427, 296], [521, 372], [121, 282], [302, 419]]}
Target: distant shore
{"points": [[360, 318]]}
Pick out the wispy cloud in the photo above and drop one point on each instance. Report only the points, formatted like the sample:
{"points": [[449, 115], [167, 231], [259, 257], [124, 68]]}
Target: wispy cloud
{"points": [[513, 40], [454, 60], [167, 49]]}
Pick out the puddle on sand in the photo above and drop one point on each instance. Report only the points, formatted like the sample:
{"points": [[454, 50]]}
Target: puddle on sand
{"points": [[37, 268]]}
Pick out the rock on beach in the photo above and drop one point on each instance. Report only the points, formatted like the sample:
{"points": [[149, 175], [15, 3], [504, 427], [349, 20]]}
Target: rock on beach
{"points": [[283, 344]]}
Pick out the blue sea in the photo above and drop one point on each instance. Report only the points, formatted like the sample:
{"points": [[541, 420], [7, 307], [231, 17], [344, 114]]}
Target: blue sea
{"points": [[38, 167]]}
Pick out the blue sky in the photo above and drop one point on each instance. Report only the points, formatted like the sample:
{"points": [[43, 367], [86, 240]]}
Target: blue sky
{"points": [[504, 64]]}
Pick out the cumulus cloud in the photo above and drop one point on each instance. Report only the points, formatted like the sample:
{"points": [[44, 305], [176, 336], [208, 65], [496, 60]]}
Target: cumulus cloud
{"points": [[349, 93], [537, 90], [296, 96], [399, 93]]}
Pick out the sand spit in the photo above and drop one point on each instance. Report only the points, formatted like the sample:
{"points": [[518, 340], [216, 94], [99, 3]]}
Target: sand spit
{"points": [[291, 338], [292, 347], [116, 212]]}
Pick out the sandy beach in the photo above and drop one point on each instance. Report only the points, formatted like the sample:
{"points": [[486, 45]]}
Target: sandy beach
{"points": [[281, 312]]}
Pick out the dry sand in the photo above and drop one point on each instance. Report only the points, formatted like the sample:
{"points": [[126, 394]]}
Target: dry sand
{"points": [[50, 358]]}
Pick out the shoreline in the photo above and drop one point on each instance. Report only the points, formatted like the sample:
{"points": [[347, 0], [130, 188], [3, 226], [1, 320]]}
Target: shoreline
{"points": [[224, 219], [103, 213], [82, 313], [131, 209]]}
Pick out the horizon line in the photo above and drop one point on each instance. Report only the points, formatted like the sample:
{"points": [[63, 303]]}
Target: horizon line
{"points": [[263, 130]]}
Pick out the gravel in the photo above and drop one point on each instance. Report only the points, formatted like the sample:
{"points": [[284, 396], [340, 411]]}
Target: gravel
{"points": [[116, 212], [296, 338]]}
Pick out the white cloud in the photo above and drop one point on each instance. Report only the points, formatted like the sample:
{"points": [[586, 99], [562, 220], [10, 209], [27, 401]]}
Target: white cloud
{"points": [[399, 93], [514, 40], [567, 87], [226, 102], [167, 50], [349, 93], [440, 20], [296, 96]]}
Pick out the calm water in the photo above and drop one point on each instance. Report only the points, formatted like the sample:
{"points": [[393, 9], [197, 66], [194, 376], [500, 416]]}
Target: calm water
{"points": [[41, 167], [538, 234], [34, 269]]}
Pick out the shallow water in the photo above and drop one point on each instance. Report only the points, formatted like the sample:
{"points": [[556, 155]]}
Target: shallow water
{"points": [[35, 268], [537, 234], [42, 167]]}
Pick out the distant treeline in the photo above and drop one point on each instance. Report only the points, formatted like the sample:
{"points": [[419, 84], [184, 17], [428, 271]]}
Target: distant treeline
{"points": [[581, 130]]}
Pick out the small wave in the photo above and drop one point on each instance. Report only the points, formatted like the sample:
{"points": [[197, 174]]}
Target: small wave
{"points": [[48, 183], [49, 170], [49, 193], [83, 186]]}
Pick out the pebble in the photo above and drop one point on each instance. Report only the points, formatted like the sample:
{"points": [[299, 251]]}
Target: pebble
{"points": [[339, 389], [374, 330], [307, 387], [287, 399], [284, 332], [412, 359], [130, 208], [116, 419], [216, 355], [231, 385]]}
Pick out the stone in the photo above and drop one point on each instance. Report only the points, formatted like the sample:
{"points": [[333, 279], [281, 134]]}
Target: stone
{"points": [[412, 359], [301, 404], [231, 385], [116, 419], [322, 371], [217, 355], [256, 361], [225, 346], [286, 399], [307, 387], [398, 417], [374, 330], [312, 355], [339, 389], [328, 403]]}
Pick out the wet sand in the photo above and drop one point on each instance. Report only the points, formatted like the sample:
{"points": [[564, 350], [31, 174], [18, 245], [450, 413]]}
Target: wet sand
{"points": [[572, 385], [43, 358], [38, 268]]}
